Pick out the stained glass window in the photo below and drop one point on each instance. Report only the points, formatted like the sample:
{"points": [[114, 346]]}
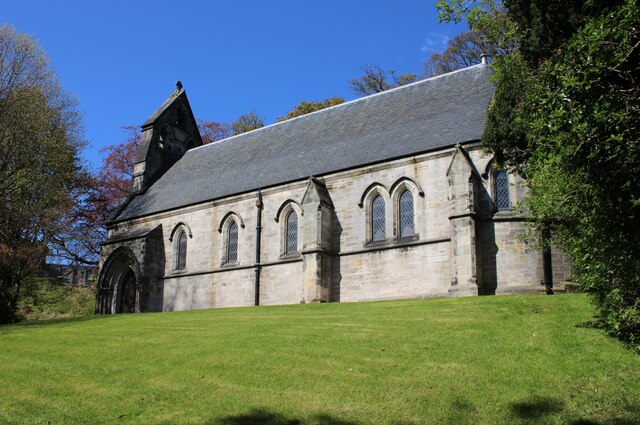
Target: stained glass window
{"points": [[292, 233], [406, 214], [181, 260], [377, 219], [232, 243], [502, 190]]}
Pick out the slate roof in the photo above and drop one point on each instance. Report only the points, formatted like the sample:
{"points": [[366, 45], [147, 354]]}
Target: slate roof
{"points": [[431, 114]]}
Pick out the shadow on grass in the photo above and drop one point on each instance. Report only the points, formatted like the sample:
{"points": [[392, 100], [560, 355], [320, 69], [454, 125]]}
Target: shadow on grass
{"points": [[28, 323], [629, 420], [264, 417], [534, 409]]}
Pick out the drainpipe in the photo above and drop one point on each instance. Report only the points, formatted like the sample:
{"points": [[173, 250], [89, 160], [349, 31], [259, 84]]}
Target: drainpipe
{"points": [[546, 261], [258, 241]]}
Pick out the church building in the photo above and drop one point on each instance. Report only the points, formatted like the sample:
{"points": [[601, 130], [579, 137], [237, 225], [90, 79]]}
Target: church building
{"points": [[385, 197]]}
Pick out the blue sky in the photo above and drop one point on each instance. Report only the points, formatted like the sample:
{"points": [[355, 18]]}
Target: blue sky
{"points": [[121, 59]]}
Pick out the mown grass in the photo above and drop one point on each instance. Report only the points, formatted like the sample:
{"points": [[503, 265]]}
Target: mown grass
{"points": [[511, 360]]}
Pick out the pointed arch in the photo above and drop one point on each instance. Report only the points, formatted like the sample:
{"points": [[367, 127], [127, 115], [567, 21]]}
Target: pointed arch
{"points": [[289, 225], [226, 217], [500, 184], [230, 227], [286, 205], [119, 283], [373, 189], [178, 238], [178, 226], [403, 182], [404, 195]]}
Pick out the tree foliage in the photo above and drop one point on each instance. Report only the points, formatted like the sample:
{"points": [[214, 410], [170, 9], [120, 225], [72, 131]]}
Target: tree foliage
{"points": [[247, 122], [565, 115], [40, 136], [376, 80], [304, 107]]}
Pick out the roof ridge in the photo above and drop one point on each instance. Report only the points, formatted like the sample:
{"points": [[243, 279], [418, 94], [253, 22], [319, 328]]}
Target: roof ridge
{"points": [[360, 99]]}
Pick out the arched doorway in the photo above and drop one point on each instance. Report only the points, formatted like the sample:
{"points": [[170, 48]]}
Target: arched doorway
{"points": [[119, 284], [128, 293]]}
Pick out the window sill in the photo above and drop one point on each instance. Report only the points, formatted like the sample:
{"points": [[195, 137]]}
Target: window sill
{"points": [[289, 256], [406, 239]]}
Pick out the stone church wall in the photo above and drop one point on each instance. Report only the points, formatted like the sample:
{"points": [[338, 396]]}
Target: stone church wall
{"points": [[355, 268]]}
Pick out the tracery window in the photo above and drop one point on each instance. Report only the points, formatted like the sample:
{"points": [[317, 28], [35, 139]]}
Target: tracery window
{"points": [[291, 230], [501, 190], [377, 219], [232, 243], [181, 251], [405, 206]]}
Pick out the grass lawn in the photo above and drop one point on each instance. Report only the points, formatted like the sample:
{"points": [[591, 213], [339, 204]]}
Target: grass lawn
{"points": [[504, 359]]}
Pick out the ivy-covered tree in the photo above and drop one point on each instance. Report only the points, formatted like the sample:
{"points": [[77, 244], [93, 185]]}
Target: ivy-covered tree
{"points": [[565, 115]]}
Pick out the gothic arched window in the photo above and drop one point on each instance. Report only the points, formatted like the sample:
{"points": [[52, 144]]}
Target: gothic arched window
{"points": [[501, 190], [377, 219], [181, 251], [405, 206], [232, 243], [291, 237]]}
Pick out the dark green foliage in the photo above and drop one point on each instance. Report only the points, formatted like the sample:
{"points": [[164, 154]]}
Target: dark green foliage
{"points": [[582, 117], [566, 116], [505, 133], [544, 25]]}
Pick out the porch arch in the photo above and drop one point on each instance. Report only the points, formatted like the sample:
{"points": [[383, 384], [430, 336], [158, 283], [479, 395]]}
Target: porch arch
{"points": [[119, 284]]}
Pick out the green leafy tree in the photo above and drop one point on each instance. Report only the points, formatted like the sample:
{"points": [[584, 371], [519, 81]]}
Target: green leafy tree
{"points": [[40, 137], [304, 107], [247, 122], [565, 115], [376, 80]]}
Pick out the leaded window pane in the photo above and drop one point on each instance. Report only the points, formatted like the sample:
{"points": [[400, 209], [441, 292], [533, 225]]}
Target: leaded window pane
{"points": [[406, 214], [181, 264], [377, 219], [292, 233], [232, 243], [502, 190]]}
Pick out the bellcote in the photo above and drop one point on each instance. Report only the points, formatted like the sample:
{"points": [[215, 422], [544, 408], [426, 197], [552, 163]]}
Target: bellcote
{"points": [[168, 133]]}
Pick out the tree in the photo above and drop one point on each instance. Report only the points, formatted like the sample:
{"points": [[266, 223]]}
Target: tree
{"points": [[463, 50], [565, 115], [247, 122], [304, 107], [376, 80], [40, 137], [211, 131]]}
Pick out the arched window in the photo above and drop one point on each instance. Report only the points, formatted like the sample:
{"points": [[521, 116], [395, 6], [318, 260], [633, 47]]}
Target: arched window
{"points": [[232, 243], [181, 251], [377, 219], [291, 237], [406, 214], [501, 190]]}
